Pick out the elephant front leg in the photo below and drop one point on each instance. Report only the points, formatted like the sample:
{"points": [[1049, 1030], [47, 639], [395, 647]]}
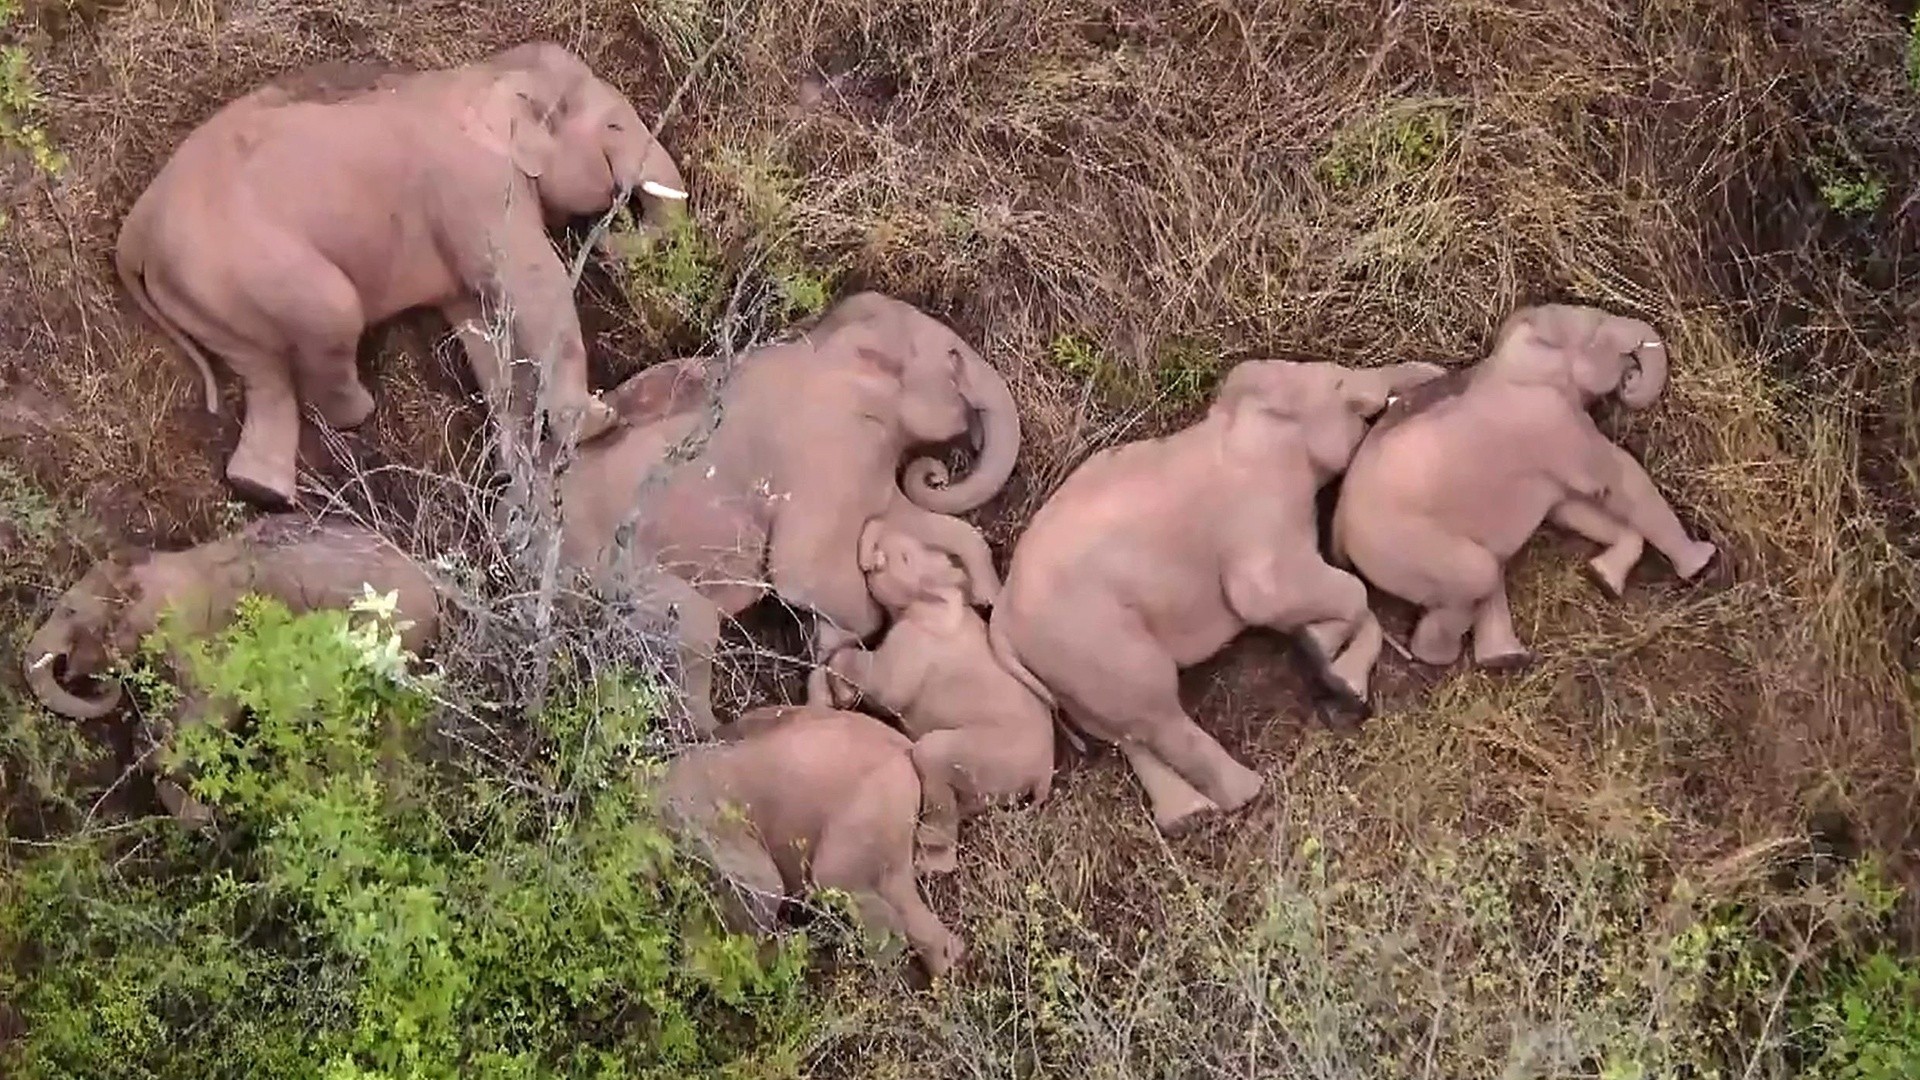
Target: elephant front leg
{"points": [[1623, 546], [1176, 805], [1326, 608], [1611, 477], [536, 295], [939, 757], [697, 639]]}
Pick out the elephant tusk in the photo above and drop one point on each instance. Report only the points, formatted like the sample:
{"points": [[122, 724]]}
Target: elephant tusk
{"points": [[45, 659], [1653, 344], [661, 191]]}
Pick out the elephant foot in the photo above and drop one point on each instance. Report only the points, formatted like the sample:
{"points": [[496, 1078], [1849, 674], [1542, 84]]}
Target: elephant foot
{"points": [[1610, 579], [261, 484], [1350, 693], [1506, 660], [1694, 559], [1179, 819], [599, 418], [187, 810], [347, 409]]}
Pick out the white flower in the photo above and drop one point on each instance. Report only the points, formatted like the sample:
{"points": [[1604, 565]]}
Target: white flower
{"points": [[382, 606]]}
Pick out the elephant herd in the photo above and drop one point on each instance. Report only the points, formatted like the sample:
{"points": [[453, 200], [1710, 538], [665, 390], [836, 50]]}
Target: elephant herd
{"points": [[333, 198]]}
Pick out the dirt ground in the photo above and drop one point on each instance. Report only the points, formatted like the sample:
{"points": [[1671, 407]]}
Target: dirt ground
{"points": [[1116, 199]]}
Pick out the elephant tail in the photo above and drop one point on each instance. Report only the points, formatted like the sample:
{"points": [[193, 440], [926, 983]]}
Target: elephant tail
{"points": [[130, 260], [1004, 653]]}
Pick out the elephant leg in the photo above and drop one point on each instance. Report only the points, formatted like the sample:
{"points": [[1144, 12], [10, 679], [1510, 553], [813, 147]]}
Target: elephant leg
{"points": [[157, 736], [490, 358], [940, 760], [815, 564], [696, 639], [1461, 575], [1624, 546], [867, 850], [265, 462], [1176, 805], [1633, 498], [1326, 607], [750, 891], [323, 321], [1495, 645]]}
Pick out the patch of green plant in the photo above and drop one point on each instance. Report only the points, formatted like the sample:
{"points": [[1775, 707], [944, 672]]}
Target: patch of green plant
{"points": [[1861, 1018], [1076, 355], [20, 102], [1847, 185], [801, 290], [1402, 141], [675, 273], [380, 905], [1187, 372], [1913, 51], [29, 519]]}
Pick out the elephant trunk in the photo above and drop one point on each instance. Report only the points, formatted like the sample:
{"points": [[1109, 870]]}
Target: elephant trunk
{"points": [[46, 656], [1646, 374], [964, 542], [996, 448]]}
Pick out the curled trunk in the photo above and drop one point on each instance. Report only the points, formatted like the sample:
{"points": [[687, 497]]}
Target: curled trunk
{"points": [[1646, 375], [46, 653], [925, 480]]}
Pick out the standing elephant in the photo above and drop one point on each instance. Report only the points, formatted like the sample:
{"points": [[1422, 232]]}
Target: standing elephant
{"points": [[337, 197], [807, 450], [306, 565], [1152, 556], [980, 735], [797, 798], [1453, 481]]}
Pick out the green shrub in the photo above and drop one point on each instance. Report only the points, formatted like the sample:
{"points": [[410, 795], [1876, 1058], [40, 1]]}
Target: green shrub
{"points": [[20, 102], [1861, 1019], [379, 904]]}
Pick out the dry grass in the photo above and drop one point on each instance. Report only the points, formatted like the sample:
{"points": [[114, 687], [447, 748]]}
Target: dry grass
{"points": [[1178, 187]]}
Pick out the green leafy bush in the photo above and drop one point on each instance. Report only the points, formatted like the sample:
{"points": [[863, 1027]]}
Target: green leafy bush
{"points": [[20, 102], [379, 904]]}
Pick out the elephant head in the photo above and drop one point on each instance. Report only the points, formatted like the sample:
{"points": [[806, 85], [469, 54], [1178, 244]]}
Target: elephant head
{"points": [[577, 137], [76, 644], [946, 389], [1323, 407], [902, 571], [1600, 352]]}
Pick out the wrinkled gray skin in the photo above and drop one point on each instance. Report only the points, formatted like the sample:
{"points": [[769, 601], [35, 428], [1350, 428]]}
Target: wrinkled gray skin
{"points": [[798, 798], [337, 197], [1152, 556], [806, 452], [308, 566], [980, 735], [1452, 483]]}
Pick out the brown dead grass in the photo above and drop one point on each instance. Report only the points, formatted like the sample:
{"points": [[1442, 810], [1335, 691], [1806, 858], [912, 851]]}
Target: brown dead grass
{"points": [[1194, 184]]}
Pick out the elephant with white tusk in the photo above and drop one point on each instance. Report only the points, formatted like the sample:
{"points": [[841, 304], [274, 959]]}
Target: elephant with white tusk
{"points": [[1152, 556], [307, 565], [980, 735], [1455, 479], [337, 197], [797, 798], [806, 451]]}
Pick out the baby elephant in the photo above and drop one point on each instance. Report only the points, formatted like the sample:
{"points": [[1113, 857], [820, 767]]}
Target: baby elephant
{"points": [[798, 797], [981, 735], [304, 564], [1152, 556], [1454, 479]]}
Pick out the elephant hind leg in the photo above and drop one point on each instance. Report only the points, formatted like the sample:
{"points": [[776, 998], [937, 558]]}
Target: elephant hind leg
{"points": [[867, 851], [1449, 575], [324, 322]]}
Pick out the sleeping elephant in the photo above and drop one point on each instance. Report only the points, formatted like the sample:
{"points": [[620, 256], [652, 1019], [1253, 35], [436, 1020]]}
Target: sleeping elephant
{"points": [[1452, 481], [797, 798], [806, 451], [306, 565], [336, 197], [1152, 556], [980, 735]]}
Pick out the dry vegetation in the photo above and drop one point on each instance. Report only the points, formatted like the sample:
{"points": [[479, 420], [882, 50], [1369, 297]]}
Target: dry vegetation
{"points": [[1623, 857]]}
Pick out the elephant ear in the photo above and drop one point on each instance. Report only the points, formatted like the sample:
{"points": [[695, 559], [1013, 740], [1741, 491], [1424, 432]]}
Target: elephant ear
{"points": [[518, 119]]}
